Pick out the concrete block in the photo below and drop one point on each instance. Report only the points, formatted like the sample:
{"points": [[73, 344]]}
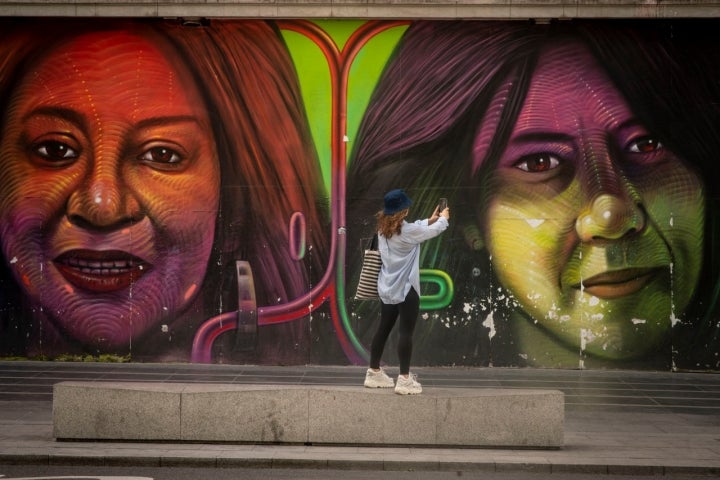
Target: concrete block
{"points": [[308, 414], [500, 417], [441, 417], [356, 415], [109, 411], [245, 413]]}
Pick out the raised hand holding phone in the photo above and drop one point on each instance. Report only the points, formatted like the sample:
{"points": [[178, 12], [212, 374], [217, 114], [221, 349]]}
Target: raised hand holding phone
{"points": [[442, 205]]}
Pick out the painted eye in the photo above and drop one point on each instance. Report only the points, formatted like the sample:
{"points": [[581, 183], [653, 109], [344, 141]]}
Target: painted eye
{"points": [[55, 151], [161, 155], [537, 163], [645, 145]]}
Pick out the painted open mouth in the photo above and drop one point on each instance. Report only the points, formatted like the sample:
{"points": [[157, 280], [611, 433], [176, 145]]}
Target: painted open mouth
{"points": [[101, 271], [618, 283]]}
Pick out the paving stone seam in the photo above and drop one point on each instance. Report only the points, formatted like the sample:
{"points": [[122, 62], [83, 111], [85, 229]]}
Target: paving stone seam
{"points": [[355, 464]]}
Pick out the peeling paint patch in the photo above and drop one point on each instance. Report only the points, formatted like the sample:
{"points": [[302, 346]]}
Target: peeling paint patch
{"points": [[489, 322], [535, 222], [586, 336]]}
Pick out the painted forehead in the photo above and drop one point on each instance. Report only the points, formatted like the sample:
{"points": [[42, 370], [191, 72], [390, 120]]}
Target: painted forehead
{"points": [[131, 66], [569, 91]]}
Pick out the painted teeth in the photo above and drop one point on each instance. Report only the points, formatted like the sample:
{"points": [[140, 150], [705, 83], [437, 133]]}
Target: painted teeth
{"points": [[105, 267]]}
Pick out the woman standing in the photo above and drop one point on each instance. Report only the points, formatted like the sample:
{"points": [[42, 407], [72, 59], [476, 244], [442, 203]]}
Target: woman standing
{"points": [[399, 285]]}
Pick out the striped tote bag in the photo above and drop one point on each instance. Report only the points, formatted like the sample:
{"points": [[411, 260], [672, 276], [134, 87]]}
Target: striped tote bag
{"points": [[367, 286]]}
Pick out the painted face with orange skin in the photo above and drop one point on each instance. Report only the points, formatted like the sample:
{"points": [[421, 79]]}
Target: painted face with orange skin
{"points": [[592, 223], [110, 190]]}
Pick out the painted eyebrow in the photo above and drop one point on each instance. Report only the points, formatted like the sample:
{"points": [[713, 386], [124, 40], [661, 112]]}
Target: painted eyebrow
{"points": [[631, 123], [160, 121], [80, 120], [65, 113], [530, 137]]}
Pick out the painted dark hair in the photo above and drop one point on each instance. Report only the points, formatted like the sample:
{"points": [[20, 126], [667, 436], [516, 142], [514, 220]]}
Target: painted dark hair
{"points": [[436, 89]]}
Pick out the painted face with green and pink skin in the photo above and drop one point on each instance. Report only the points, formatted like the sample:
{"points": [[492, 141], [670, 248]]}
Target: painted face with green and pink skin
{"points": [[593, 225], [110, 190]]}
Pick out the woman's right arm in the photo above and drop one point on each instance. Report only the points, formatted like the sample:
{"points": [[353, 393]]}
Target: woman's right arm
{"points": [[422, 230]]}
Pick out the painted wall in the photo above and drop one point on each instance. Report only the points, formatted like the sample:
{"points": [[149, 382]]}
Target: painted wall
{"points": [[175, 193]]}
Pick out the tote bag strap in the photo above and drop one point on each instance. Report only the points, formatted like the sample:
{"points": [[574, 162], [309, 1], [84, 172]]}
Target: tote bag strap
{"points": [[373, 242]]}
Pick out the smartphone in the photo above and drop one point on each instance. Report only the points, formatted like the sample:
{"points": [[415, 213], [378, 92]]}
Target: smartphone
{"points": [[442, 204]]}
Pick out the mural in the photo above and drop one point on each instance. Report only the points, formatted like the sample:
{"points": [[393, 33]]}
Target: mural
{"points": [[142, 164], [204, 193]]}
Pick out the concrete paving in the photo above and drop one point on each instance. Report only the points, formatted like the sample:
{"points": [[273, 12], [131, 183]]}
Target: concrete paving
{"points": [[616, 422]]}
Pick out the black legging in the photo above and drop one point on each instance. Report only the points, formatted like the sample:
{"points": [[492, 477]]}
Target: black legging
{"points": [[407, 311]]}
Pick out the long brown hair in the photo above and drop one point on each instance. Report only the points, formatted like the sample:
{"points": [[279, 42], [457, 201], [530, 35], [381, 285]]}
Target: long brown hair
{"points": [[249, 85], [389, 225]]}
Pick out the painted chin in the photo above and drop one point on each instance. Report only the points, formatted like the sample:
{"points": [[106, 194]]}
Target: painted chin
{"points": [[101, 271], [618, 284]]}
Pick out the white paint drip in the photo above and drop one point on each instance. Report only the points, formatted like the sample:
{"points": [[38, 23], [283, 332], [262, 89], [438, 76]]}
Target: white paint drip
{"points": [[637, 321], [673, 319]]}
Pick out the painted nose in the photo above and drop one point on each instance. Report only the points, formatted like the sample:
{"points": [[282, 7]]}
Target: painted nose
{"points": [[610, 217], [103, 201]]}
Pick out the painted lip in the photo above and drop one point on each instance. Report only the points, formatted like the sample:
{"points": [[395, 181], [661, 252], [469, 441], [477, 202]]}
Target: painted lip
{"points": [[618, 283], [101, 271]]}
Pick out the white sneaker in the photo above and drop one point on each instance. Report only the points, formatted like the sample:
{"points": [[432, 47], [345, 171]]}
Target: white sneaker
{"points": [[379, 379], [408, 386]]}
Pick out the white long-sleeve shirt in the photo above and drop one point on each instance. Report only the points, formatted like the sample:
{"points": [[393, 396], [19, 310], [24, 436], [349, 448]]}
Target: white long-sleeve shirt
{"points": [[401, 258]]}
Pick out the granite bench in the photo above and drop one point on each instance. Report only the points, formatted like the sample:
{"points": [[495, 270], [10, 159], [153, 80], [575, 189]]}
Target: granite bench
{"points": [[188, 412]]}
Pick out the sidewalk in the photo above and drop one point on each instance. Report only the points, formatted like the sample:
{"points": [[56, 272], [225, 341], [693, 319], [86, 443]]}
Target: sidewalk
{"points": [[616, 422]]}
